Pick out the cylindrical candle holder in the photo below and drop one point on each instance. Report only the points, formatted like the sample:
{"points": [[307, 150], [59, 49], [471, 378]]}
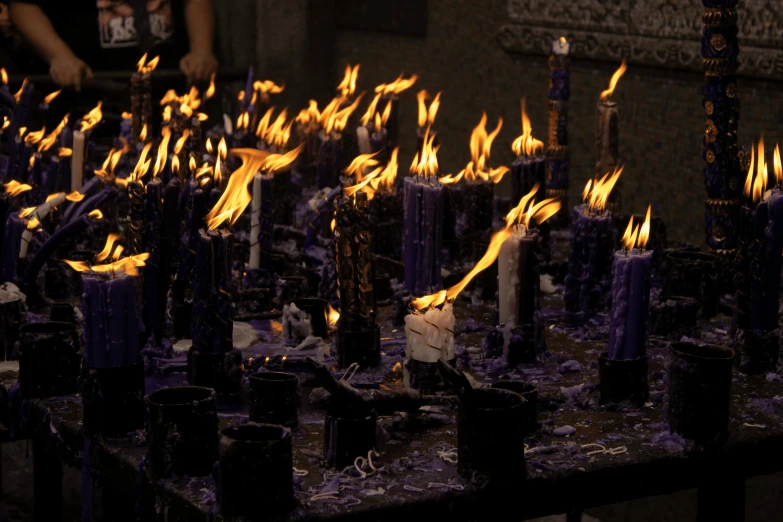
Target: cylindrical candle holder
{"points": [[274, 398], [424, 377], [255, 477], [698, 391], [623, 379], [348, 433], [48, 359], [693, 274], [529, 392], [317, 310], [362, 345], [182, 432], [490, 435], [113, 399], [674, 316], [759, 351]]}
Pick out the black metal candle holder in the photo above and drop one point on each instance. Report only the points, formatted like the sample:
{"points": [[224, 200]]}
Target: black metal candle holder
{"points": [[490, 435], [361, 345], [219, 371], [758, 351], [48, 359], [318, 311], [255, 472], [274, 398], [348, 433], [698, 391], [424, 377], [693, 274], [623, 379], [674, 316], [113, 399], [182, 431], [529, 392]]}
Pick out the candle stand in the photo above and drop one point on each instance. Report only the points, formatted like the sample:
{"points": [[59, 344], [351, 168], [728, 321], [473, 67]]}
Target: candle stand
{"points": [[255, 473], [48, 359], [113, 399], [674, 316], [359, 343], [529, 392], [274, 398], [349, 432], [490, 434], [623, 379], [182, 431], [698, 390]]}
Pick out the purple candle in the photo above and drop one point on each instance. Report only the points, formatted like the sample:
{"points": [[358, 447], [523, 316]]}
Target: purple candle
{"points": [[203, 283], [631, 295], [12, 241], [774, 234], [529, 169], [111, 320], [153, 199]]}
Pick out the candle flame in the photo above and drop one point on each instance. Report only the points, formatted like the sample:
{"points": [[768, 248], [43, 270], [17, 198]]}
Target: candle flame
{"points": [[47, 142], [143, 134], [201, 116], [397, 86], [243, 120], [309, 115], [192, 164], [167, 113], [18, 94], [236, 196], [35, 136], [516, 214], [348, 86], [644, 233], [353, 189], [586, 191], [175, 164], [222, 149], [368, 115], [360, 164], [613, 82], [108, 247], [22, 130], [181, 141], [142, 166], [480, 146], [53, 196], [427, 116], [92, 118], [144, 67], [14, 188], [387, 177], [333, 316], [777, 166], [125, 266], [26, 211], [263, 123], [333, 224], [163, 152], [208, 146], [526, 144], [64, 152], [74, 196], [33, 223], [3, 76], [451, 179], [337, 120], [6, 123], [756, 185], [126, 115], [600, 190], [427, 165], [278, 133], [97, 214], [51, 96], [31, 163], [211, 89], [268, 87]]}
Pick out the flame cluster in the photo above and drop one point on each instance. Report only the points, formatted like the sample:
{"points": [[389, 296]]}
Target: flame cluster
{"points": [[268, 87], [427, 164], [34, 137], [163, 151], [14, 188], [236, 197], [18, 94], [347, 86], [613, 82], [142, 165], [92, 118], [106, 172], [528, 210], [634, 237], [427, 115], [278, 132], [49, 98], [478, 167], [757, 180], [186, 104], [596, 193], [145, 67], [378, 118], [118, 266], [540, 213], [397, 86], [47, 142], [379, 178], [526, 144]]}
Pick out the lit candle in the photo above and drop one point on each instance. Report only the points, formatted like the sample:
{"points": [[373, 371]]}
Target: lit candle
{"points": [[255, 223], [77, 160], [607, 133], [529, 169], [557, 143], [426, 118], [12, 241], [631, 294], [153, 200]]}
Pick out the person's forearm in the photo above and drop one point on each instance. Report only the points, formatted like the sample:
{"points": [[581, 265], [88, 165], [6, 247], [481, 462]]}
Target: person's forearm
{"points": [[36, 27], [199, 17]]}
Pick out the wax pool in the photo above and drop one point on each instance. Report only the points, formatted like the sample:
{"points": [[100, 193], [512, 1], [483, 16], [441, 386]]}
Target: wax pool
{"points": [[630, 304]]}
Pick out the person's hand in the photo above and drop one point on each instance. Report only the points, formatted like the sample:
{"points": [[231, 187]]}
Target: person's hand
{"points": [[67, 70], [198, 65]]}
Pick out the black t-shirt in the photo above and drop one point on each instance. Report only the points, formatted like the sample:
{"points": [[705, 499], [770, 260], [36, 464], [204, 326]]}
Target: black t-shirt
{"points": [[104, 34]]}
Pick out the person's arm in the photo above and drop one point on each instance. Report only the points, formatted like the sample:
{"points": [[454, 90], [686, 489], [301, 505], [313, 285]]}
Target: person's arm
{"points": [[199, 63], [64, 66]]}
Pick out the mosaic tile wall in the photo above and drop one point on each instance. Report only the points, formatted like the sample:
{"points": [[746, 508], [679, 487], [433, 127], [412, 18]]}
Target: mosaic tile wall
{"points": [[661, 121]]}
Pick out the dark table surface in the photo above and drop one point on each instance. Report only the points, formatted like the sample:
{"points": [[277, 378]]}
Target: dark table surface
{"points": [[617, 452]]}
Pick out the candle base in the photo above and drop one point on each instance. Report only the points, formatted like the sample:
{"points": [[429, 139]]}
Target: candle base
{"points": [[674, 316], [113, 399], [182, 430], [219, 371], [698, 394], [348, 434], [623, 379], [524, 343], [48, 359], [362, 345], [424, 377], [758, 352], [529, 392], [490, 435]]}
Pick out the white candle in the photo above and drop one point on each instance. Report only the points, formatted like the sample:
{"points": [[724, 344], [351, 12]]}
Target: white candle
{"points": [[447, 323], [41, 212], [255, 223], [363, 140], [508, 277], [77, 160]]}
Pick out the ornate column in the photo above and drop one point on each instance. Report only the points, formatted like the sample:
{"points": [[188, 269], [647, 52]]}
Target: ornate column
{"points": [[722, 172]]}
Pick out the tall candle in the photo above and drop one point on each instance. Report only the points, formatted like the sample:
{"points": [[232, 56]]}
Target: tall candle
{"points": [[111, 320], [559, 93], [77, 160], [518, 286], [423, 233], [40, 213], [607, 130], [21, 109], [223, 325], [169, 238], [255, 223], [12, 240], [153, 199], [774, 236], [190, 234], [203, 290], [630, 304]]}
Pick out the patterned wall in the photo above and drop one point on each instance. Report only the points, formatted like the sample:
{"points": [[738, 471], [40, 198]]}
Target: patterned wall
{"points": [[468, 54]]}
